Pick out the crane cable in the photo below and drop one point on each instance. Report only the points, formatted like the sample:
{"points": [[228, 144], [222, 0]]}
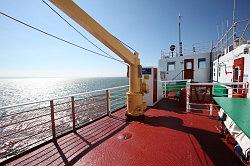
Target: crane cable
{"points": [[125, 44], [76, 29], [58, 38], [85, 36]]}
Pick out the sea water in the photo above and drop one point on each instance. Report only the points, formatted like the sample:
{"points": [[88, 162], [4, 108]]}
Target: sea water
{"points": [[23, 125], [23, 90]]}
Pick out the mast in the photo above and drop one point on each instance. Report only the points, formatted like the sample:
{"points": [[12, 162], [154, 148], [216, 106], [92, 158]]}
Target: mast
{"points": [[180, 42], [218, 35], [234, 27]]}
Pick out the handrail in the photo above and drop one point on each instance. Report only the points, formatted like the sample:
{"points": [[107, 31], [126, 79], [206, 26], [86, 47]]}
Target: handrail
{"points": [[232, 38], [171, 86], [53, 120], [217, 83], [171, 81], [207, 95], [196, 48], [77, 94], [178, 75]]}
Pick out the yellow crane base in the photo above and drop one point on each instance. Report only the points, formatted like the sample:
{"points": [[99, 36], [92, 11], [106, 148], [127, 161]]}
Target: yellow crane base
{"points": [[135, 106]]}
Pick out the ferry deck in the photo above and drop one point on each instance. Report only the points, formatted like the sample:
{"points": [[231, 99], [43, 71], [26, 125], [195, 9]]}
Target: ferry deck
{"points": [[167, 136], [90, 129]]}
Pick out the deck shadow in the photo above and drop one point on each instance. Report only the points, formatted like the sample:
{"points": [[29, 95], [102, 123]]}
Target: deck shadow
{"points": [[72, 147], [171, 105], [210, 142]]}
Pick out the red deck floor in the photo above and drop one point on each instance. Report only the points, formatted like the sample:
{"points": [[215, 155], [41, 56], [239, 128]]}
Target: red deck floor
{"points": [[167, 136]]}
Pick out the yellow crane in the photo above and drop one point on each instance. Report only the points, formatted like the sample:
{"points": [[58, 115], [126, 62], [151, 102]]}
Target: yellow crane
{"points": [[135, 104]]}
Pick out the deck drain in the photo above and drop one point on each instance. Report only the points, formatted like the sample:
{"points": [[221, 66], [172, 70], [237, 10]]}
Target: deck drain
{"points": [[125, 136]]}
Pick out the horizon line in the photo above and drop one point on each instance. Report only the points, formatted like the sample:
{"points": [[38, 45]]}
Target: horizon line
{"points": [[20, 77]]}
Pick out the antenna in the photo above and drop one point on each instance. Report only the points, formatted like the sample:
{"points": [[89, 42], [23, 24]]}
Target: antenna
{"points": [[218, 35], [222, 29], [180, 42], [234, 12], [234, 25]]}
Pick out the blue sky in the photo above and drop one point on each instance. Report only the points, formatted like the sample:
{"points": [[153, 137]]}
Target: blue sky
{"points": [[146, 25]]}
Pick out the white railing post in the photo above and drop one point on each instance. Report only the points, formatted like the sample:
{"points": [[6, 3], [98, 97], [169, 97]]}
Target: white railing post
{"points": [[187, 96], [211, 110], [247, 89], [211, 104], [108, 102], [165, 89]]}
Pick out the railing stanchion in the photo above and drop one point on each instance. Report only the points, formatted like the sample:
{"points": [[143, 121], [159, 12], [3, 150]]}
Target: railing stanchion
{"points": [[182, 74], [165, 89], [108, 102], [53, 127], [73, 113], [211, 110], [187, 96]]}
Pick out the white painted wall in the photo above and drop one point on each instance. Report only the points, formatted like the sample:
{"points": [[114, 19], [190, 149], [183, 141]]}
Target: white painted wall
{"points": [[149, 96], [228, 60], [200, 75], [246, 77], [159, 87]]}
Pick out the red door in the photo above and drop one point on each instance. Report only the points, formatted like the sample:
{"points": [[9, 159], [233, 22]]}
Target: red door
{"points": [[155, 85], [238, 72], [189, 69]]}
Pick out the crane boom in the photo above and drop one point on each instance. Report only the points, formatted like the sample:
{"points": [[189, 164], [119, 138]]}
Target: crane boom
{"points": [[135, 104]]}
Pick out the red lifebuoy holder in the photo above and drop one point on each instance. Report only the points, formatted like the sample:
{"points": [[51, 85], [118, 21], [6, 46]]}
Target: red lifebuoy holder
{"points": [[201, 94]]}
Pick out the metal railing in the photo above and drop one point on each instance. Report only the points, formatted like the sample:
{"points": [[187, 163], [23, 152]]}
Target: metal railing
{"points": [[195, 49], [174, 86], [199, 96], [233, 37], [180, 73], [24, 126]]}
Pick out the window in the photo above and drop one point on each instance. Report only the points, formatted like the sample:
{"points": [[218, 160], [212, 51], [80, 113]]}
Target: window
{"points": [[163, 75], [236, 74], [246, 50], [171, 66], [202, 63], [189, 65], [146, 71]]}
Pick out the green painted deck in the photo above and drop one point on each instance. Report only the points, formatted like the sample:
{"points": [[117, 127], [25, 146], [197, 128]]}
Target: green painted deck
{"points": [[238, 109]]}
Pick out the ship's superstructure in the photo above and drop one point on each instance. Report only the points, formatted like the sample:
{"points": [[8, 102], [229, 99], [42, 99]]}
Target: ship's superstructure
{"points": [[233, 66], [220, 75], [231, 58], [195, 66], [186, 63]]}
